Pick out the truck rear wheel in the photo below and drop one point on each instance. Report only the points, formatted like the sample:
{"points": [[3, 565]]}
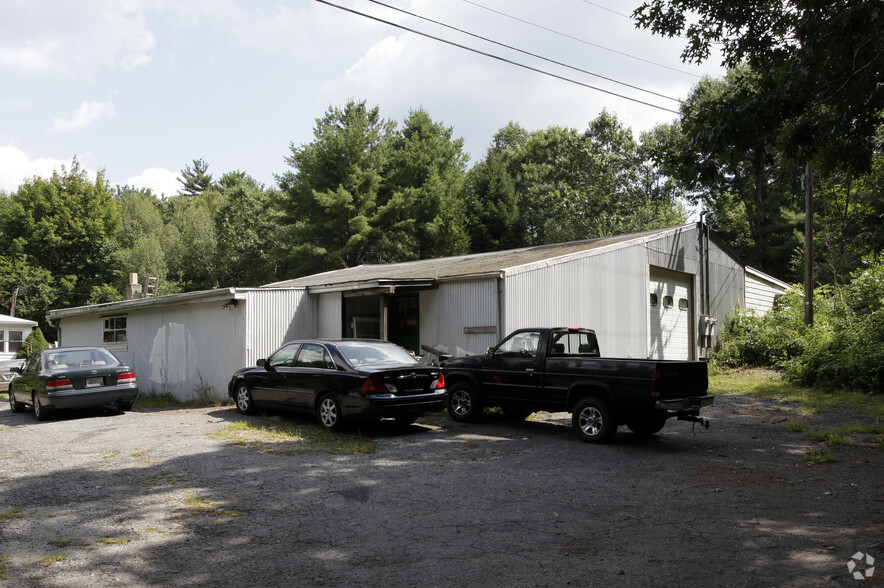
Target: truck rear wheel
{"points": [[593, 420], [463, 403], [647, 426]]}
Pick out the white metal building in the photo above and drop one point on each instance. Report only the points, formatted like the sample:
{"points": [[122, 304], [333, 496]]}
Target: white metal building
{"points": [[651, 294]]}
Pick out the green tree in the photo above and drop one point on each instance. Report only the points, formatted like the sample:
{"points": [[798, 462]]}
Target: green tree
{"points": [[67, 225], [248, 231], [35, 341], [331, 192], [195, 179], [820, 65], [422, 213]]}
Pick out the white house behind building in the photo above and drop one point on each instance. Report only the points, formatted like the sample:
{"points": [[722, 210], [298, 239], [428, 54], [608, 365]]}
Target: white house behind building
{"points": [[652, 294], [13, 332]]}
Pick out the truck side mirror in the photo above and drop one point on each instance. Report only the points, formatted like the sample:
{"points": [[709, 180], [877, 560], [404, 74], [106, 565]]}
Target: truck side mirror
{"points": [[490, 351]]}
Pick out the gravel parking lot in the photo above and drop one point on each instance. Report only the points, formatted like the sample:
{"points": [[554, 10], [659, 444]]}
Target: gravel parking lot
{"points": [[147, 498]]}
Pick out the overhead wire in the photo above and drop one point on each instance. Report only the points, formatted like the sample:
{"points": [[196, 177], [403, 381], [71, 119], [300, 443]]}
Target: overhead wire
{"points": [[579, 40], [504, 45], [493, 56]]}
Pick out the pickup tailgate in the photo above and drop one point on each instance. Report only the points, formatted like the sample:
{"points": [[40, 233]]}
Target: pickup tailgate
{"points": [[681, 385]]}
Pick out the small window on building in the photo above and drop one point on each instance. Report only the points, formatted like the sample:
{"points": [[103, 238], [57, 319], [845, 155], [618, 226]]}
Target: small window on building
{"points": [[115, 329], [682, 303], [667, 302], [654, 300], [15, 341]]}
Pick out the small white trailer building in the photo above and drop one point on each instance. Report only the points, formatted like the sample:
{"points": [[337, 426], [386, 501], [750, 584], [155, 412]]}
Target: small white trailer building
{"points": [[13, 332], [654, 294]]}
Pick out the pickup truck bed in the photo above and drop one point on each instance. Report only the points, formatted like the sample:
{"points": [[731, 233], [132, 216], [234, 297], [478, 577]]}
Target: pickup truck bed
{"points": [[561, 369]]}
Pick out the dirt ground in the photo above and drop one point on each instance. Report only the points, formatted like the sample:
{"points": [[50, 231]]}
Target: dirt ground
{"points": [[147, 498]]}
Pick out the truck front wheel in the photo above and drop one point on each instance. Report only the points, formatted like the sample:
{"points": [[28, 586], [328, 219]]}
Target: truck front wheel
{"points": [[463, 402], [593, 420]]}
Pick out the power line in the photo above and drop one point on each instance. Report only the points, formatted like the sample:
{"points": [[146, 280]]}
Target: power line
{"points": [[579, 40], [608, 9], [612, 80], [492, 56]]}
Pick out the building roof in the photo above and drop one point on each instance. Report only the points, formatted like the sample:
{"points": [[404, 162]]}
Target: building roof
{"points": [[16, 321], [425, 272]]}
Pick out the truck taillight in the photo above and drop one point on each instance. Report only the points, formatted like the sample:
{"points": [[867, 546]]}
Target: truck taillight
{"points": [[128, 378], [440, 382], [55, 385], [655, 385]]}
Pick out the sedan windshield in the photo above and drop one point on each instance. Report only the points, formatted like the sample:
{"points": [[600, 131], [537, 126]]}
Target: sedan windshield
{"points": [[64, 359], [365, 353]]}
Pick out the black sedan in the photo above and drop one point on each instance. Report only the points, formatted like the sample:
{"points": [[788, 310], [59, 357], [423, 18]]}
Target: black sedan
{"points": [[341, 380], [72, 377]]}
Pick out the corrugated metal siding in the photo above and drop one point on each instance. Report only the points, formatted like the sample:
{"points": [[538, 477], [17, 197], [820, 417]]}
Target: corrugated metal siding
{"points": [[455, 306], [329, 315], [275, 316], [605, 292], [760, 295]]}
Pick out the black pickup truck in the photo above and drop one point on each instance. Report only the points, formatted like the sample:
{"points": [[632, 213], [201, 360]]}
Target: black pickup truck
{"points": [[561, 369]]}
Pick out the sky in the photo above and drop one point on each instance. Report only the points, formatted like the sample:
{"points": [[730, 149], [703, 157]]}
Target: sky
{"points": [[140, 89]]}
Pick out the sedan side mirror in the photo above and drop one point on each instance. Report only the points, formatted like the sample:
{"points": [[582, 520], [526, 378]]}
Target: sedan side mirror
{"points": [[490, 351], [262, 362]]}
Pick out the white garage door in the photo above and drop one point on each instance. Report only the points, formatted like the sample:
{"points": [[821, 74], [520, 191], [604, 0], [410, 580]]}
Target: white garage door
{"points": [[671, 309]]}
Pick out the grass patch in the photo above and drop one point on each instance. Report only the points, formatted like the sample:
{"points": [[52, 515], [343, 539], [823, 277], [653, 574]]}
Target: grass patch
{"points": [[155, 530], [199, 505], [164, 478], [14, 513], [289, 437], [69, 542], [51, 559], [770, 384], [111, 540], [110, 455], [152, 400], [4, 560], [819, 456], [139, 454], [203, 399]]}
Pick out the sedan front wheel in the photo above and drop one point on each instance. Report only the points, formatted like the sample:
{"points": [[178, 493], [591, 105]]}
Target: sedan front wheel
{"points": [[244, 402], [15, 405]]}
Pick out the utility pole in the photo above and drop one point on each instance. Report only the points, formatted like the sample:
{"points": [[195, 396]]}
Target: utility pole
{"points": [[14, 300], [808, 244]]}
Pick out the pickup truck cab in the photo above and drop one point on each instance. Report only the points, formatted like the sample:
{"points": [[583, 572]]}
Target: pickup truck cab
{"points": [[561, 369]]}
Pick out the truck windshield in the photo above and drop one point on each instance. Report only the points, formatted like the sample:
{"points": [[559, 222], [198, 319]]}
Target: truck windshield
{"points": [[574, 343]]}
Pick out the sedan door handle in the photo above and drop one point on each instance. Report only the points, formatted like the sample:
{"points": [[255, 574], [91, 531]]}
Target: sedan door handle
{"points": [[530, 371]]}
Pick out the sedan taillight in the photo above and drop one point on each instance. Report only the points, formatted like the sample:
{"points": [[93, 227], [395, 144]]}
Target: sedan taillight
{"points": [[440, 383], [374, 385], [55, 385], [128, 378]]}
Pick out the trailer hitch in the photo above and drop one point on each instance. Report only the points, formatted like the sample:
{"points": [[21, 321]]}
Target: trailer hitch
{"points": [[694, 419]]}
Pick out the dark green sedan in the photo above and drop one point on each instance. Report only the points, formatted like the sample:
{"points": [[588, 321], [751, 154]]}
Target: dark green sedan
{"points": [[72, 377]]}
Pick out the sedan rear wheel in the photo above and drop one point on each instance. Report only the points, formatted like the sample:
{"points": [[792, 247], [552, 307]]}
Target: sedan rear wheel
{"points": [[15, 405], [41, 412], [328, 412], [244, 402]]}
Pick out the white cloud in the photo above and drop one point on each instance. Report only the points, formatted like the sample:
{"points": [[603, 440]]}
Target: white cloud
{"points": [[39, 36], [162, 182], [18, 167], [88, 113]]}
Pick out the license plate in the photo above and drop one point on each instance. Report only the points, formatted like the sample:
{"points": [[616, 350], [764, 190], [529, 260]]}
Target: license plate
{"points": [[94, 382]]}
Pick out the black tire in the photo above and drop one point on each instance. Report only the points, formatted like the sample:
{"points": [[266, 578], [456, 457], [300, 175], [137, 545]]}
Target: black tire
{"points": [[243, 398], [15, 405], [40, 412], [328, 413], [517, 414], [463, 403], [593, 420], [646, 427], [405, 421]]}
